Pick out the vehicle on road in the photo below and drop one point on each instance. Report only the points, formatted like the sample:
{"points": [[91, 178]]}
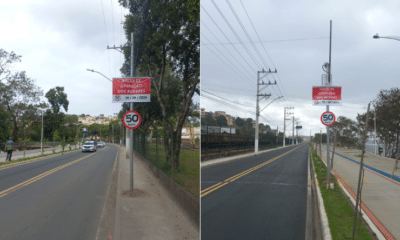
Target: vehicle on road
{"points": [[101, 144], [90, 146]]}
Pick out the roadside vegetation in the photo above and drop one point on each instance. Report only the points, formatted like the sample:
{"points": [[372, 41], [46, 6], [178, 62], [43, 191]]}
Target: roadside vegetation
{"points": [[338, 207]]}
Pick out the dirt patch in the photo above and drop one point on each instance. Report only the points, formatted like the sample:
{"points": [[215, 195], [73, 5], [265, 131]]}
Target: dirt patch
{"points": [[135, 193]]}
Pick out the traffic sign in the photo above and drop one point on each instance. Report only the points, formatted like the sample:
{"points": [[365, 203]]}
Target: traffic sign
{"points": [[132, 119], [323, 95], [299, 127], [328, 118], [131, 89]]}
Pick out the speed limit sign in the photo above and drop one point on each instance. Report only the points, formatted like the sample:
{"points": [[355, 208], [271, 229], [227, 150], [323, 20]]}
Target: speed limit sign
{"points": [[132, 119], [328, 118]]}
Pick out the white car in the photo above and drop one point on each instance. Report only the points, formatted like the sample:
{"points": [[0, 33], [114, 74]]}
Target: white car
{"points": [[90, 146], [101, 144]]}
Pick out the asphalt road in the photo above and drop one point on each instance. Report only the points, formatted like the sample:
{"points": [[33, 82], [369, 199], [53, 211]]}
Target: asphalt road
{"points": [[61, 197], [266, 203]]}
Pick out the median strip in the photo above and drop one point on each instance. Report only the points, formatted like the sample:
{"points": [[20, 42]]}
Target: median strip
{"points": [[34, 179], [211, 189]]}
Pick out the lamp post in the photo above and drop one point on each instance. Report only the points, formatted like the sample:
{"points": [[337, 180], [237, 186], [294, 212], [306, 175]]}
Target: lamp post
{"points": [[389, 37], [91, 70], [41, 138]]}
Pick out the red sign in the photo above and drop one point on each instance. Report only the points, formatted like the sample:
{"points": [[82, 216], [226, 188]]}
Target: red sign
{"points": [[135, 89], [323, 96], [131, 119], [328, 118]]}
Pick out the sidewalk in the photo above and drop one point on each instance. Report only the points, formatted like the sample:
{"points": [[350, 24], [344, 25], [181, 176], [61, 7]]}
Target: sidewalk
{"points": [[31, 153], [380, 194], [150, 215]]}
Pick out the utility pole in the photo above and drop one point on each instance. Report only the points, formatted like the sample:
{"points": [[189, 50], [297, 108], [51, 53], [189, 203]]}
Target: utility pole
{"points": [[277, 135], [293, 132], [284, 122], [129, 142], [258, 100], [375, 130], [327, 106]]}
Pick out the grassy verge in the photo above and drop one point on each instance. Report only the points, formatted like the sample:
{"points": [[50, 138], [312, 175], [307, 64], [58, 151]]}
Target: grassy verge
{"points": [[188, 173], [38, 156], [339, 210]]}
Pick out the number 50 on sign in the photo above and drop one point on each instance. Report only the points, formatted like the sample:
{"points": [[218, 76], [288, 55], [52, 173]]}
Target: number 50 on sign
{"points": [[328, 118], [132, 119]]}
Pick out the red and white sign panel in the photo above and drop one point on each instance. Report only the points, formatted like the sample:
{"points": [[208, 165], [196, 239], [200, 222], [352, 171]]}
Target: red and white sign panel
{"points": [[328, 118], [136, 89], [132, 119], [322, 96]]}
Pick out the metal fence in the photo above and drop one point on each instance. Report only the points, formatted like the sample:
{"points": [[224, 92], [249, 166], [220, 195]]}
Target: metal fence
{"points": [[217, 138]]}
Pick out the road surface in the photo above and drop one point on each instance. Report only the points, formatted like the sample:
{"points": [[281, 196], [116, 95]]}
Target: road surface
{"points": [[260, 197], [60, 197]]}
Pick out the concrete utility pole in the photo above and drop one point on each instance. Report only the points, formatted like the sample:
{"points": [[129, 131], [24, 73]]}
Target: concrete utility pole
{"points": [[293, 132], [284, 122], [258, 100]]}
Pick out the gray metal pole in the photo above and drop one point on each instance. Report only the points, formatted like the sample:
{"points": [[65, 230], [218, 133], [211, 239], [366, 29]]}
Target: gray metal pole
{"points": [[130, 130], [41, 142], [293, 132], [257, 113], [327, 107], [284, 126]]}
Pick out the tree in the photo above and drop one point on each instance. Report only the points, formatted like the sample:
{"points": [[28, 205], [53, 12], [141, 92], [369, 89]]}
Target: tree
{"points": [[208, 120], [18, 92], [239, 122], [168, 48], [248, 123], [221, 121], [57, 99]]}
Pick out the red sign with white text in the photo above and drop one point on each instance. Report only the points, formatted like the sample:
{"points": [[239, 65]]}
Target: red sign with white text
{"points": [[322, 96], [131, 89]]}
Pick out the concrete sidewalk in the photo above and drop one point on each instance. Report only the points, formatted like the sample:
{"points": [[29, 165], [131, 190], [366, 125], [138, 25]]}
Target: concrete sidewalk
{"points": [[151, 213], [32, 153], [380, 194]]}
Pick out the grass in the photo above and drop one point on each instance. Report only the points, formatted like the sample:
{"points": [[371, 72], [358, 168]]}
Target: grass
{"points": [[188, 173], [34, 157], [339, 210]]}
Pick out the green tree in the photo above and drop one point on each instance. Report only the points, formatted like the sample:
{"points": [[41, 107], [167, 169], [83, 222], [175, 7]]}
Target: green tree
{"points": [[167, 47], [221, 121], [18, 92], [57, 99], [239, 122]]}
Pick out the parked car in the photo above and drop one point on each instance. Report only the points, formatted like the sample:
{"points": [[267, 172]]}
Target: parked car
{"points": [[101, 144], [90, 146]]}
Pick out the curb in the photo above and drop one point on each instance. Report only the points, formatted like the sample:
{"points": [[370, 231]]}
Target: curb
{"points": [[326, 232], [309, 233]]}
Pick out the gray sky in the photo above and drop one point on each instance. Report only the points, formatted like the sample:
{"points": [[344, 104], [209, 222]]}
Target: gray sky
{"points": [[59, 40], [361, 65]]}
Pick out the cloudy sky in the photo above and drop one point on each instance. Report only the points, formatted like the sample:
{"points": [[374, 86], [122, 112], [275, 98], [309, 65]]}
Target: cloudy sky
{"points": [[59, 40], [295, 41]]}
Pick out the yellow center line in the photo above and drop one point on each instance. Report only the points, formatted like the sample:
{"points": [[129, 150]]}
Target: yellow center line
{"points": [[366, 180], [348, 168], [214, 187], [40, 176]]}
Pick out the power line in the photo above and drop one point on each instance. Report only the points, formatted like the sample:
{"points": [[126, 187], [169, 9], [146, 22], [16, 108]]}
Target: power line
{"points": [[267, 41], [226, 36], [226, 59], [105, 28], [227, 99], [236, 35]]}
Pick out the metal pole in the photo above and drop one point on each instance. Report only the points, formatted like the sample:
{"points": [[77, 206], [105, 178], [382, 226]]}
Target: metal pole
{"points": [[375, 130], [293, 132], [284, 126], [131, 130], [327, 107], [361, 170], [41, 142], [257, 114]]}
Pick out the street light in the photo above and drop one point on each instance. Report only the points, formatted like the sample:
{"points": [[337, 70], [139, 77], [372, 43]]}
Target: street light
{"points": [[41, 142], [390, 37], [91, 70]]}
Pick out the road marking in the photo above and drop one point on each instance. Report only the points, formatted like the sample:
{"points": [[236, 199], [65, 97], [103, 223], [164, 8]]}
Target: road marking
{"points": [[366, 180], [214, 187], [348, 168], [34, 179]]}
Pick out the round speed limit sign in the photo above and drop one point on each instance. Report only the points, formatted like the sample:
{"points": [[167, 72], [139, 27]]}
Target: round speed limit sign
{"points": [[132, 119], [328, 118]]}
